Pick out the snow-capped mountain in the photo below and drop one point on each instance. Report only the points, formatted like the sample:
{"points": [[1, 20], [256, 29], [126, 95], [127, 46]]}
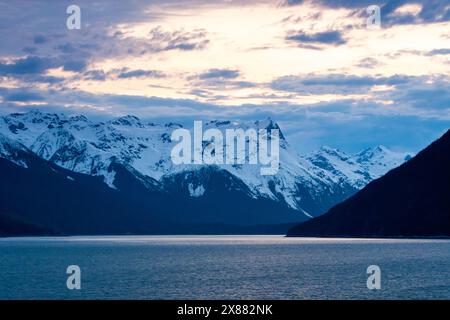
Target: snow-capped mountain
{"points": [[379, 160], [361, 168], [309, 184]]}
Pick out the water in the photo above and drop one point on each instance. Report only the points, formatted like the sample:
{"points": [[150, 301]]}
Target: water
{"points": [[223, 267]]}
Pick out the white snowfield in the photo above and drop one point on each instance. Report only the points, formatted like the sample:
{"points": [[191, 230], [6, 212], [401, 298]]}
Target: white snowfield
{"points": [[81, 145]]}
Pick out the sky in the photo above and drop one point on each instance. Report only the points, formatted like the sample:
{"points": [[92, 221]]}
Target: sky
{"points": [[315, 67]]}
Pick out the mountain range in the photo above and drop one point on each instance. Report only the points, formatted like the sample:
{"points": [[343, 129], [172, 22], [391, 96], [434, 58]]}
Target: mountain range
{"points": [[79, 176]]}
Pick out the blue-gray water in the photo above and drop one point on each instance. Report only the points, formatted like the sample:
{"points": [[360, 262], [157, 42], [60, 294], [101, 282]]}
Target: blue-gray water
{"points": [[223, 267]]}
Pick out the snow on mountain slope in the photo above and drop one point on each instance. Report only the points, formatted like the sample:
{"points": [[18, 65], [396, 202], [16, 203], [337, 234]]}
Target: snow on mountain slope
{"points": [[310, 184], [9, 150]]}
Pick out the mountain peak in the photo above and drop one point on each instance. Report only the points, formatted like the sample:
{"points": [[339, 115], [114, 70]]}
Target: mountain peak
{"points": [[381, 148], [173, 125], [379, 152], [78, 118], [375, 150], [267, 123], [270, 124], [332, 152], [218, 123], [129, 121]]}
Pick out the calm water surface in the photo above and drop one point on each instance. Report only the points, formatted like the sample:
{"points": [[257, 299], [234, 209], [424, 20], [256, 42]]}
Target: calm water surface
{"points": [[223, 267]]}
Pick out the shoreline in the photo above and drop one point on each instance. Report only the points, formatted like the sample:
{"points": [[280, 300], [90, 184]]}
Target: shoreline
{"points": [[281, 236]]}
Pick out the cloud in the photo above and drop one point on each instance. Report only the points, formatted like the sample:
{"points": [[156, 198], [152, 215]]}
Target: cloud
{"points": [[43, 79], [43, 30], [421, 96], [97, 75], [222, 84], [326, 37], [179, 39], [23, 96], [425, 95], [435, 52], [30, 50], [430, 11], [122, 73], [218, 79], [291, 2], [74, 65], [139, 73], [42, 20], [220, 74], [38, 65], [434, 11], [368, 63], [66, 48], [113, 103], [333, 83], [32, 69], [28, 65], [39, 39]]}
